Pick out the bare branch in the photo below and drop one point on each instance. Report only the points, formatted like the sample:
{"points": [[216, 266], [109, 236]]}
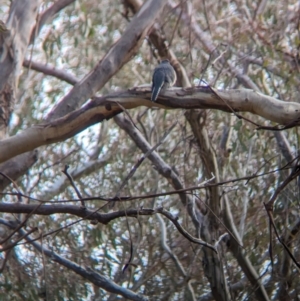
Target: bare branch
{"points": [[88, 213], [50, 70], [106, 107], [141, 160], [174, 257], [14, 41], [206, 42], [162, 45], [174, 220], [204, 185], [95, 278], [119, 54], [11, 245], [17, 167], [77, 172], [48, 15], [65, 171], [20, 225], [162, 167]]}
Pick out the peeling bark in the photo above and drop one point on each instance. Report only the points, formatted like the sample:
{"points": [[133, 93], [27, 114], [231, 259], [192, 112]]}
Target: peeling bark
{"points": [[118, 55], [104, 108], [22, 17], [16, 167]]}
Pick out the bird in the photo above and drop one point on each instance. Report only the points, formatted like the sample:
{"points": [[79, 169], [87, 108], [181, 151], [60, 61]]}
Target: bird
{"points": [[164, 76]]}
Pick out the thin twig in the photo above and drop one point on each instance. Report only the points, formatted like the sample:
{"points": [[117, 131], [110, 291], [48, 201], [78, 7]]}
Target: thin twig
{"points": [[5, 258], [187, 235], [145, 156], [141, 197], [271, 221], [10, 246], [269, 208], [19, 195], [65, 171], [21, 224]]}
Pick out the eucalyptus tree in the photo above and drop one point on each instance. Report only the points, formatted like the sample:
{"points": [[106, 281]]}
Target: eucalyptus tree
{"points": [[107, 195]]}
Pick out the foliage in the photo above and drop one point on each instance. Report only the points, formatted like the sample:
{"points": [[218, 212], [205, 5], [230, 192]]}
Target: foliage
{"points": [[241, 45]]}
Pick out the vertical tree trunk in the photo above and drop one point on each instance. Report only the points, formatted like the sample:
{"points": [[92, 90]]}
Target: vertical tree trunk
{"points": [[14, 39], [212, 263]]}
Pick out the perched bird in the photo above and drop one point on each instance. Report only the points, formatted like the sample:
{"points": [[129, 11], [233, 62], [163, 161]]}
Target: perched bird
{"points": [[164, 76]]}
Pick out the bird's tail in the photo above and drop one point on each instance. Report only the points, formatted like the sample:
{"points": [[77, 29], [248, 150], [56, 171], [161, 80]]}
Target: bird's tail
{"points": [[158, 81], [155, 92]]}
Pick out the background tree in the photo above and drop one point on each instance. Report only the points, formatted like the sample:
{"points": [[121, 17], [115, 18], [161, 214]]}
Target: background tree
{"points": [[108, 196]]}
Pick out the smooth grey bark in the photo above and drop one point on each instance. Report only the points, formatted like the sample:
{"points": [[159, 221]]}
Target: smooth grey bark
{"points": [[163, 169], [14, 42], [206, 42], [160, 43], [76, 210], [50, 70], [118, 55], [213, 264], [112, 62], [235, 246], [16, 167], [103, 108], [22, 17]]}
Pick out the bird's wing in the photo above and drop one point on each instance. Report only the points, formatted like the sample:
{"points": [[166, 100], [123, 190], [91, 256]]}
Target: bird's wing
{"points": [[158, 81]]}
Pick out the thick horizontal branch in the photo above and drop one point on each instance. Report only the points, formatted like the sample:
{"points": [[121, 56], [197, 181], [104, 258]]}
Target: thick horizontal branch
{"points": [[88, 214], [106, 107], [118, 55], [103, 218]]}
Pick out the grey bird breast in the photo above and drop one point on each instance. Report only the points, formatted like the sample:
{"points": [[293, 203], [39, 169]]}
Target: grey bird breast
{"points": [[164, 76]]}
